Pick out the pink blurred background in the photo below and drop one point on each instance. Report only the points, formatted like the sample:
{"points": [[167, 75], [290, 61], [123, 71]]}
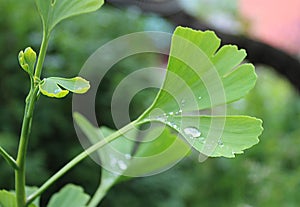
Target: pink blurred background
{"points": [[276, 22]]}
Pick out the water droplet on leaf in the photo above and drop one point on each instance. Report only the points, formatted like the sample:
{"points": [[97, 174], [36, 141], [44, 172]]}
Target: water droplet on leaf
{"points": [[220, 143], [182, 102], [162, 118], [57, 91], [192, 132], [178, 112], [128, 156]]}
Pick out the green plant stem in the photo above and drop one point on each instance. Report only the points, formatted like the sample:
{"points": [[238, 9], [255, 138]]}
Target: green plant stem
{"points": [[42, 55], [26, 127], [20, 181], [78, 159], [9, 159]]}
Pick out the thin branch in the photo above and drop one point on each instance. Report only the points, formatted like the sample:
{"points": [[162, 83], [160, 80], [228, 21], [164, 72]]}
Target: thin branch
{"points": [[9, 159]]}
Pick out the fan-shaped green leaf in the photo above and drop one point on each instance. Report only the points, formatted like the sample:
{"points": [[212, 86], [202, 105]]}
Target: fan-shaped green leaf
{"points": [[70, 195], [200, 77], [54, 11], [60, 87]]}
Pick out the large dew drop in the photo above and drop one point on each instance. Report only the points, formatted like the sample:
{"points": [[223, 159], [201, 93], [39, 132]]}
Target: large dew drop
{"points": [[122, 165], [192, 132]]}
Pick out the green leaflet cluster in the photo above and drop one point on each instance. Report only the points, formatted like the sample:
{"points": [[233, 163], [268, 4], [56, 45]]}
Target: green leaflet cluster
{"points": [[54, 86]]}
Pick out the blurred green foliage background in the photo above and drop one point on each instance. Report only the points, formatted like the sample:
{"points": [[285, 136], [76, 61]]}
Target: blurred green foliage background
{"points": [[266, 175]]}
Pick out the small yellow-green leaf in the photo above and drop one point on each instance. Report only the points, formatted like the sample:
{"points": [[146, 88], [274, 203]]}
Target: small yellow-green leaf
{"points": [[60, 87], [27, 60], [50, 88], [75, 85]]}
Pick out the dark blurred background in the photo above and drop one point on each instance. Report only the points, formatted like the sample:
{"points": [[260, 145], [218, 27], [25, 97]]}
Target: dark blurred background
{"points": [[266, 175]]}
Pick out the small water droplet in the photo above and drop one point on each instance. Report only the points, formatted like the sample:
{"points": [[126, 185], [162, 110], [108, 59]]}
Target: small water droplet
{"points": [[162, 118], [128, 156], [171, 113], [122, 165], [192, 132], [199, 97], [178, 112], [175, 126], [220, 143], [57, 91], [172, 124], [182, 102]]}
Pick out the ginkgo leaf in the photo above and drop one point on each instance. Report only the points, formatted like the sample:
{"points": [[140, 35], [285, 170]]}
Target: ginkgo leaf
{"points": [[200, 76], [60, 87], [54, 11]]}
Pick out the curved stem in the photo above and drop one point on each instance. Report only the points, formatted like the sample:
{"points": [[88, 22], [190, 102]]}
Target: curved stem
{"points": [[78, 159]]}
